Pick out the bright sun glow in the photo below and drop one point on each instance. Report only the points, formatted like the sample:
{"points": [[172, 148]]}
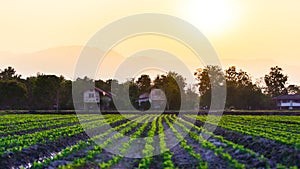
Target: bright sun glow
{"points": [[213, 16]]}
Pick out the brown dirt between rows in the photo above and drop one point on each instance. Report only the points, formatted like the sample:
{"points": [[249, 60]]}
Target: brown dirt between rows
{"points": [[104, 156], [274, 151], [40, 151], [180, 158]]}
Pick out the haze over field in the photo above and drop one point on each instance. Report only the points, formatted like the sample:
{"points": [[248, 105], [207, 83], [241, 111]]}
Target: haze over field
{"points": [[47, 36]]}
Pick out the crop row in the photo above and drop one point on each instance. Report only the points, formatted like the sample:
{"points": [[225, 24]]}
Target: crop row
{"points": [[178, 127], [41, 124], [114, 132], [270, 122], [18, 142], [17, 119], [269, 133], [97, 149], [83, 144]]}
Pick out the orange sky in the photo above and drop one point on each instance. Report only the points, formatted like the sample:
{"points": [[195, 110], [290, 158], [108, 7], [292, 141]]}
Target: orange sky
{"points": [[46, 36]]}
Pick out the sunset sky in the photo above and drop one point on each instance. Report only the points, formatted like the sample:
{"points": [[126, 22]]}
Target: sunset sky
{"points": [[47, 36]]}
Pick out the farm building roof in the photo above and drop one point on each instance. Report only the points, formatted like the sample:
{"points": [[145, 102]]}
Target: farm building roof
{"points": [[144, 96], [109, 94], [288, 97]]}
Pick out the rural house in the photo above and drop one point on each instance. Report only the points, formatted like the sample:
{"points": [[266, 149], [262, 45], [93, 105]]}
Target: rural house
{"points": [[156, 98], [96, 98], [291, 101]]}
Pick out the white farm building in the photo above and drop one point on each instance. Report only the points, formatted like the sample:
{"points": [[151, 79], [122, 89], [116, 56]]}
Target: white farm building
{"points": [[156, 98], [288, 101], [96, 98]]}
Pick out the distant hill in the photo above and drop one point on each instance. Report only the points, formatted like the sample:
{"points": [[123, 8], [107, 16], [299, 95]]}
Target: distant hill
{"points": [[62, 61], [58, 61]]}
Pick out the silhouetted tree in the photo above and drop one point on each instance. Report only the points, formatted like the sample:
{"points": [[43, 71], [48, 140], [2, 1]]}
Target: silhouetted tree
{"points": [[9, 74], [275, 82], [241, 92], [133, 92], [210, 76], [191, 100], [45, 91], [172, 85], [65, 94], [102, 85], [293, 89], [12, 94], [143, 83]]}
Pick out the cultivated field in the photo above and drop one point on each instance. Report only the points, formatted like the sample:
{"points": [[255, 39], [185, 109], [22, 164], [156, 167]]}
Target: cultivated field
{"points": [[59, 141]]}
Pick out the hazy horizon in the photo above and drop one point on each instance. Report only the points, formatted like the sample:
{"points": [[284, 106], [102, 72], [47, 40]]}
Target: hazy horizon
{"points": [[44, 59]]}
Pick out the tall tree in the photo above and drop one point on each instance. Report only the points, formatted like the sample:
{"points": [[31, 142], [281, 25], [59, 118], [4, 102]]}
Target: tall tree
{"points": [[191, 100], [12, 94], [238, 78], [275, 82], [102, 85], [46, 91], [65, 94], [128, 89], [158, 81], [30, 83], [133, 92], [9, 73], [293, 89], [112, 83], [241, 92], [173, 86], [143, 83], [210, 76]]}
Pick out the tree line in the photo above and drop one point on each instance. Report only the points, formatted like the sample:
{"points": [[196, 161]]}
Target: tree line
{"points": [[46, 92]]}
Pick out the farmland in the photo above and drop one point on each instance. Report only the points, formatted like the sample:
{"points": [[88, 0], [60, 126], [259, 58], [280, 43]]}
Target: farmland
{"points": [[164, 141]]}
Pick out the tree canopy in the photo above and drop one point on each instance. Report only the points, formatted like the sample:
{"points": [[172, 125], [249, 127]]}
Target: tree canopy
{"points": [[9, 73], [241, 92], [49, 91], [276, 81]]}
